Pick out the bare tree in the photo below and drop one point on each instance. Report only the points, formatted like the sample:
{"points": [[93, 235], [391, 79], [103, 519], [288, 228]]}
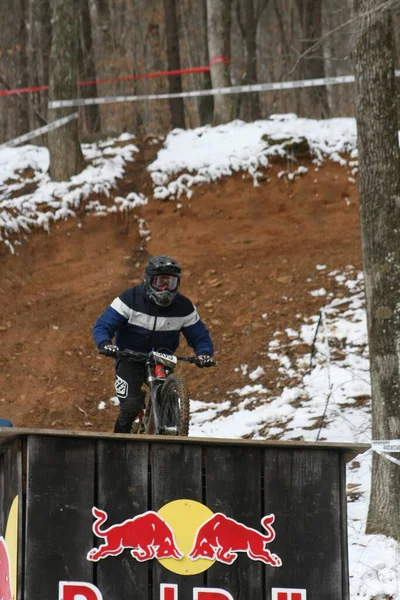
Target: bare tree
{"points": [[206, 103], [194, 52], [91, 114], [312, 60], [174, 63], [249, 13], [379, 187], [65, 151], [38, 51], [219, 31], [14, 112]]}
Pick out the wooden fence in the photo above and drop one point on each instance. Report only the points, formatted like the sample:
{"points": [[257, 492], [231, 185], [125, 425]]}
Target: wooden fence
{"points": [[202, 499]]}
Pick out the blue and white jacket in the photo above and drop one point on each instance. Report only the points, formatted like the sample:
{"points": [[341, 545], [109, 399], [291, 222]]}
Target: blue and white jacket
{"points": [[138, 323]]}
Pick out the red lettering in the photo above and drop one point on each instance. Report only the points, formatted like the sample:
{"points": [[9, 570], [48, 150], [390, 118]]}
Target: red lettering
{"points": [[288, 594], [76, 590], [211, 594], [168, 591]]}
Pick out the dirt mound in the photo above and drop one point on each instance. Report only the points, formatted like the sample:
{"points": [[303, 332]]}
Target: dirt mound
{"points": [[249, 257]]}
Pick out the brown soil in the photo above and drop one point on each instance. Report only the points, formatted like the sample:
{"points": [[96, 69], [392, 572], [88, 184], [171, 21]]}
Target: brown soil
{"points": [[245, 251]]}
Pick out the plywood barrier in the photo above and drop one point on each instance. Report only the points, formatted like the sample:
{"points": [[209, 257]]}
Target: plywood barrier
{"points": [[116, 517]]}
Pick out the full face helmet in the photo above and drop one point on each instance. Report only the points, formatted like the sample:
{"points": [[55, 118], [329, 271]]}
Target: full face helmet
{"points": [[162, 277]]}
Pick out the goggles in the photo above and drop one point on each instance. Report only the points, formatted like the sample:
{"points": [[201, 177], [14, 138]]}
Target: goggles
{"points": [[164, 282]]}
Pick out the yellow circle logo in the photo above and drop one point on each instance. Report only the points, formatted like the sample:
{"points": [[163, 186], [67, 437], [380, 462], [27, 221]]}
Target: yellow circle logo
{"points": [[11, 540], [185, 517]]}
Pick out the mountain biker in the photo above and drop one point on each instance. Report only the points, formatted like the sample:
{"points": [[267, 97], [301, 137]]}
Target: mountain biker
{"points": [[149, 316]]}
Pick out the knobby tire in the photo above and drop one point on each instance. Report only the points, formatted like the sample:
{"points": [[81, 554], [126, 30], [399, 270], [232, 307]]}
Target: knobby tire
{"points": [[175, 405]]}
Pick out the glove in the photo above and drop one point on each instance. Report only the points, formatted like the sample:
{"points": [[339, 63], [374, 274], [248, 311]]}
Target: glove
{"points": [[203, 360], [109, 350]]}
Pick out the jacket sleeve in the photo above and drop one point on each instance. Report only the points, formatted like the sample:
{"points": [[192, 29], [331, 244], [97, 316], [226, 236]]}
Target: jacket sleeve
{"points": [[116, 315], [197, 334]]}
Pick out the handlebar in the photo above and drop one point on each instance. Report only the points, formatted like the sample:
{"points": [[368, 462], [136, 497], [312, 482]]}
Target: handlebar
{"points": [[136, 356]]}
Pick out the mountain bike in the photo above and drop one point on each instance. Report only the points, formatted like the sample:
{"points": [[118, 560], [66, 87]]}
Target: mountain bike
{"points": [[166, 408]]}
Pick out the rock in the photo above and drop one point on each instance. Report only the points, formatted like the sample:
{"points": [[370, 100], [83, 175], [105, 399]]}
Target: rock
{"points": [[284, 279], [216, 321], [214, 283]]}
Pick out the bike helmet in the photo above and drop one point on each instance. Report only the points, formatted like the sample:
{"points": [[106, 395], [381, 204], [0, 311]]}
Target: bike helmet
{"points": [[162, 277]]}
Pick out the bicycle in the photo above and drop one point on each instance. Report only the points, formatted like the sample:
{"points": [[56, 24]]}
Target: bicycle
{"points": [[166, 409]]}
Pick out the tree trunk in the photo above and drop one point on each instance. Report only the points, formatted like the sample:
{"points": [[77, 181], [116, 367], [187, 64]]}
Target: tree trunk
{"points": [[22, 77], [14, 115], [313, 64], [206, 103], [379, 187], [91, 114], [39, 44], [248, 15], [66, 157], [219, 33], [174, 63]]}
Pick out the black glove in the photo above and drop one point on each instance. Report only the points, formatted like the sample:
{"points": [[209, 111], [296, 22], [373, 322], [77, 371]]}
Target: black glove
{"points": [[108, 350], [203, 360]]}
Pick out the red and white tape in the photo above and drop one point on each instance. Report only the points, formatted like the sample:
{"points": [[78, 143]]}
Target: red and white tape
{"points": [[237, 89], [40, 131], [43, 88]]}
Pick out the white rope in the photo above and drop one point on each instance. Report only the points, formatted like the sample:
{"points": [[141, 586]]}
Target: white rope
{"points": [[328, 360], [328, 353]]}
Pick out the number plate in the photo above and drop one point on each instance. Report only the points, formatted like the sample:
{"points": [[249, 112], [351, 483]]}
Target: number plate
{"points": [[169, 360]]}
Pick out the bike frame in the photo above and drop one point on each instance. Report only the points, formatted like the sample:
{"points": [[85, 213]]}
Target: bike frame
{"points": [[154, 381]]}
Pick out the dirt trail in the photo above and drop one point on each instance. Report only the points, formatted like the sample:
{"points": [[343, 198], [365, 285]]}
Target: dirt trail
{"points": [[245, 251]]}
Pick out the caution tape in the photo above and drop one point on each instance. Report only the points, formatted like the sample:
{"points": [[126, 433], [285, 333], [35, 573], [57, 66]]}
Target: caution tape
{"points": [[40, 131], [386, 445], [237, 89], [190, 70], [383, 447], [25, 90]]}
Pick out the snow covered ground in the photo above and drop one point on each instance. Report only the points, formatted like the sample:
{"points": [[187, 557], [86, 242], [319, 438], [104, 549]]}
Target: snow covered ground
{"points": [[203, 155], [189, 157], [50, 201], [335, 383]]}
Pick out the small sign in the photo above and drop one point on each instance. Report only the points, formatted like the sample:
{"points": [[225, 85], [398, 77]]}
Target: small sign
{"points": [[386, 445], [288, 594]]}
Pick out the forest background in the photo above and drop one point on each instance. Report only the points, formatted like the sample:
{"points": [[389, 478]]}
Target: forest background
{"points": [[264, 41]]}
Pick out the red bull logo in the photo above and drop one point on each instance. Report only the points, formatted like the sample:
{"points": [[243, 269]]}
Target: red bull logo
{"points": [[147, 536], [221, 538], [185, 536], [5, 578]]}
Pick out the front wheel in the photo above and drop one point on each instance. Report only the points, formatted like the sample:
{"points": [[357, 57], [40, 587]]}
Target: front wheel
{"points": [[174, 407]]}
